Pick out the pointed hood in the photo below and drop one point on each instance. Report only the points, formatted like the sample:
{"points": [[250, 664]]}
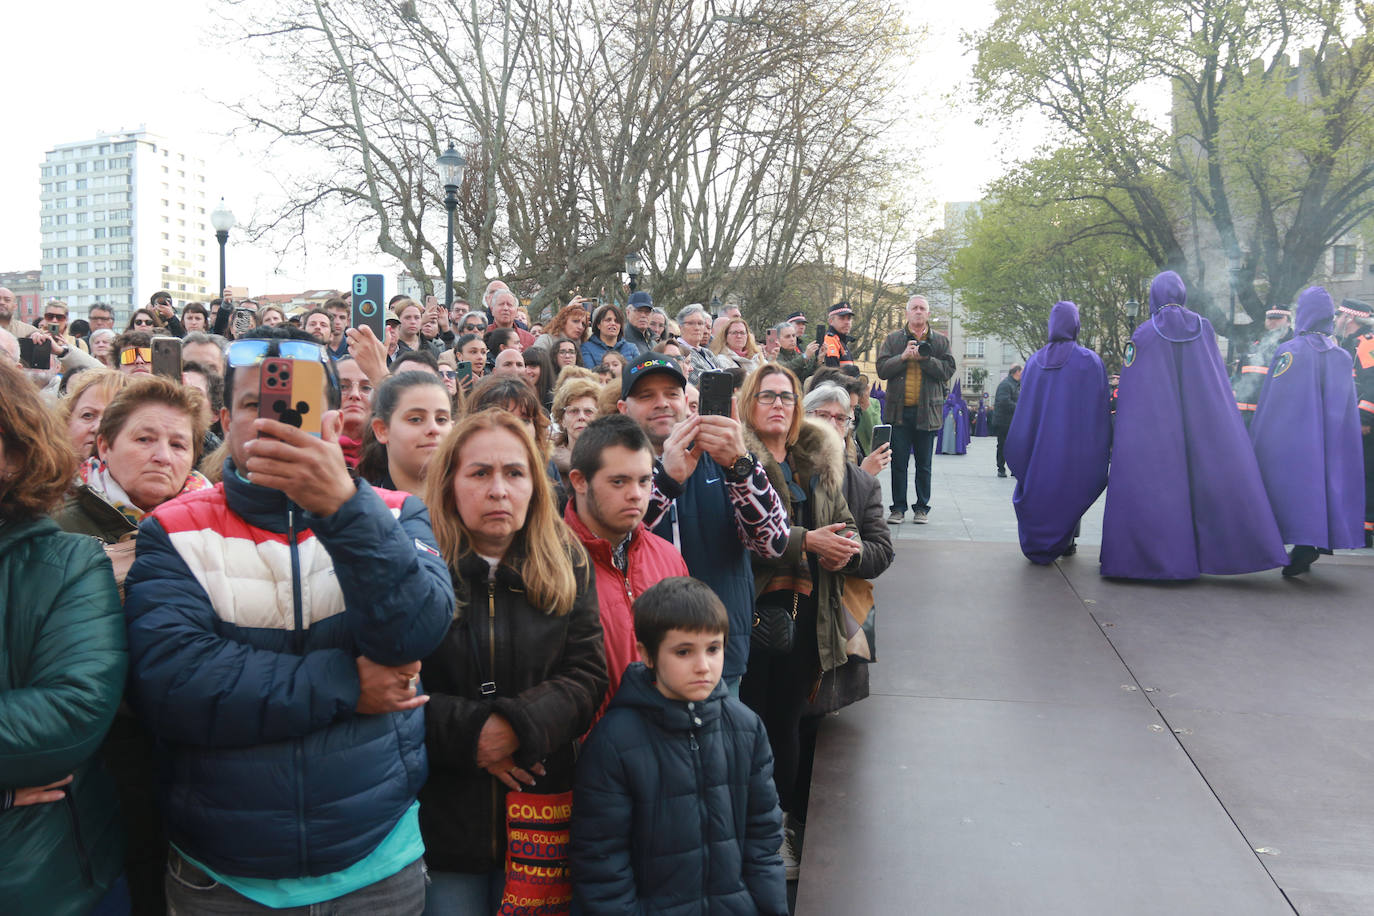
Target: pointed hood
{"points": [[1316, 311], [954, 398], [1063, 336], [1167, 289]]}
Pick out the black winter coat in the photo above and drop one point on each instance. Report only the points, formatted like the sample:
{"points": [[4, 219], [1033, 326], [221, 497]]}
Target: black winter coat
{"points": [[674, 811], [550, 675], [1004, 406]]}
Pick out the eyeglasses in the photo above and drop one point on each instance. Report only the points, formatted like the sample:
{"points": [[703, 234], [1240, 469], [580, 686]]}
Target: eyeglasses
{"points": [[449, 373], [769, 398], [474, 328], [837, 419], [251, 352], [54, 316], [143, 323], [131, 355]]}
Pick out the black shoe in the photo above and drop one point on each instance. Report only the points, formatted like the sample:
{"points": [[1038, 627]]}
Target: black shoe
{"points": [[1001, 472], [1070, 550], [1300, 560], [1368, 538]]}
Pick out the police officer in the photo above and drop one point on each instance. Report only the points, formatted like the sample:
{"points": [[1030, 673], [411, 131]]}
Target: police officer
{"points": [[1254, 365], [1355, 331], [840, 320]]}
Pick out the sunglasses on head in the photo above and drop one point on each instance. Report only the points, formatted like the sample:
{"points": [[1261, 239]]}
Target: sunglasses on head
{"points": [[131, 355], [252, 352]]}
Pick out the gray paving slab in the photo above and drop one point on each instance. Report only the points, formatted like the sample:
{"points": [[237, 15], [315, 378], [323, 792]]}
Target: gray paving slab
{"points": [[977, 807]]}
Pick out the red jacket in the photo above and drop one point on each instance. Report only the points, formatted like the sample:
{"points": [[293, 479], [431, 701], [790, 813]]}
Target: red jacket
{"points": [[649, 561]]}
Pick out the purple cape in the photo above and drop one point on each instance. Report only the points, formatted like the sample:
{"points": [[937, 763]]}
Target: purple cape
{"points": [[1307, 434], [1184, 496], [1060, 439], [980, 425], [954, 419]]}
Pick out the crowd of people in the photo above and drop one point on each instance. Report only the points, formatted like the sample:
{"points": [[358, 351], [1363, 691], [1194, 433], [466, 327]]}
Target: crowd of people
{"points": [[502, 618]]}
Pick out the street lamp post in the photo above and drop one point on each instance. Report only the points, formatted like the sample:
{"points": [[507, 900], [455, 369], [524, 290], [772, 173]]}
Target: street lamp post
{"points": [[222, 219], [632, 268], [1132, 310], [715, 306], [451, 166]]}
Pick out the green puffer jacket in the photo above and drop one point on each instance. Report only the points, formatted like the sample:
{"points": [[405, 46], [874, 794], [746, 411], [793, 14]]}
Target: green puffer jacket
{"points": [[818, 462], [62, 666]]}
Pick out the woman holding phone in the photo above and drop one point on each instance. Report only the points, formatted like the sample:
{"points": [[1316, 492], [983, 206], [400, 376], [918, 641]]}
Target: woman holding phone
{"points": [[805, 462]]}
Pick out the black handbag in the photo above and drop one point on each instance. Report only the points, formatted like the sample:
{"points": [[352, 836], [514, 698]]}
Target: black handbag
{"points": [[775, 628]]}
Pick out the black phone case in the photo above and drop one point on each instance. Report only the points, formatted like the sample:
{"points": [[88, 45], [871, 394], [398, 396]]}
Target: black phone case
{"points": [[717, 387]]}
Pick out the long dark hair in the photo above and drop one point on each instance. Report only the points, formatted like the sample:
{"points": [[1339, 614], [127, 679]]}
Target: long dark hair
{"points": [[374, 463], [544, 387]]}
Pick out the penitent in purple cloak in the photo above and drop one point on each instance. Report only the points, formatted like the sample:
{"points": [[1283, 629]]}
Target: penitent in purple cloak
{"points": [[1060, 439], [1184, 496], [1306, 432]]}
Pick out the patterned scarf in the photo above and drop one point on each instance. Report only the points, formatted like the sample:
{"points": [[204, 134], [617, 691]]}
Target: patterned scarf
{"points": [[95, 474]]}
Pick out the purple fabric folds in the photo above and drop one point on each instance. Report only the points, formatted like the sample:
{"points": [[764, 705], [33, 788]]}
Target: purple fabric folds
{"points": [[1184, 496], [1060, 439], [953, 435], [1306, 433]]}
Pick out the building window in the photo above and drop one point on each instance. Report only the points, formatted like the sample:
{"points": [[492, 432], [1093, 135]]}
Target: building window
{"points": [[1342, 260], [974, 348]]}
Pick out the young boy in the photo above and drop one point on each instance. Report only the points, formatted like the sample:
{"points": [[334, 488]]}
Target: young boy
{"points": [[674, 805]]}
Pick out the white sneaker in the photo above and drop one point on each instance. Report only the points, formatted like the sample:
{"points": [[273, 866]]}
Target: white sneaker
{"points": [[791, 862]]}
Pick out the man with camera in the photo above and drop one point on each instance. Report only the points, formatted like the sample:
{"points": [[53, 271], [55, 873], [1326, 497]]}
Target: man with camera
{"points": [[916, 364]]}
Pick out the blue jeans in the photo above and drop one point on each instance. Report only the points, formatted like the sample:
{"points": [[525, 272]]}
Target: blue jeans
{"points": [[191, 891], [906, 438], [453, 893]]}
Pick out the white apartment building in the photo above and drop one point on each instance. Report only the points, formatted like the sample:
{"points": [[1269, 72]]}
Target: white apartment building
{"points": [[122, 216]]}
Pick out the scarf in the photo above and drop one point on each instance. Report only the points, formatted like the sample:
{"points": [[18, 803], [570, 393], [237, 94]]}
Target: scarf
{"points": [[95, 474]]}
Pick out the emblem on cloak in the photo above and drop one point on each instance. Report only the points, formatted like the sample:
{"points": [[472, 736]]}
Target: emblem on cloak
{"points": [[1285, 361], [1130, 353]]}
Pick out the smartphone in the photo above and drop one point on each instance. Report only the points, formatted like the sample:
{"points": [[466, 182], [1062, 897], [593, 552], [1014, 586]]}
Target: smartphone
{"points": [[464, 372], [821, 331], [291, 391], [717, 388], [770, 339], [167, 357], [369, 309], [882, 434], [243, 321], [591, 305], [35, 356], [55, 329]]}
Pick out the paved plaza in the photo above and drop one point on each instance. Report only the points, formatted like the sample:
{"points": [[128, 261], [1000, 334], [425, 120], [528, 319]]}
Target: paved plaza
{"points": [[1044, 741]]}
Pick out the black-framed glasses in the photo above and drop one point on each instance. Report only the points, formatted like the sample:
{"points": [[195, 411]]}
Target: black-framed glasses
{"points": [[143, 323], [54, 316], [837, 419], [769, 398]]}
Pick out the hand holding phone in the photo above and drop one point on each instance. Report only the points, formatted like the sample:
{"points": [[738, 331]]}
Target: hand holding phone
{"points": [[717, 389]]}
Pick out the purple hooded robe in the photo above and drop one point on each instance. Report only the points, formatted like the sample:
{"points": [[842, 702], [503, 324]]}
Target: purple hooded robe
{"points": [[1184, 496], [1307, 434], [980, 425], [954, 421], [1060, 439]]}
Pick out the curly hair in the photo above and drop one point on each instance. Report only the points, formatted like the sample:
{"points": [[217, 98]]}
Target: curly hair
{"points": [[31, 433], [568, 392], [558, 327], [150, 390]]}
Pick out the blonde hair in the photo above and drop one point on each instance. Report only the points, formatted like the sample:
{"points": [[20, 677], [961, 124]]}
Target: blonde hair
{"points": [[748, 395], [544, 544], [751, 346], [568, 373], [107, 381]]}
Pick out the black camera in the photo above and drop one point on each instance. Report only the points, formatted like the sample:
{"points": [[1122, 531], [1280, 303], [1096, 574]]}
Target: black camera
{"points": [[924, 348]]}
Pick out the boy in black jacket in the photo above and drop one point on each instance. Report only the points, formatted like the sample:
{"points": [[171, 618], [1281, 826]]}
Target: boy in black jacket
{"points": [[674, 805]]}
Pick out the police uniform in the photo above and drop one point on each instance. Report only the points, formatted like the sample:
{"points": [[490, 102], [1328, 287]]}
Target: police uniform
{"points": [[1254, 366], [835, 349]]}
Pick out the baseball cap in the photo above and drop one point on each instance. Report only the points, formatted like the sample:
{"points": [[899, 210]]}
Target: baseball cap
{"points": [[648, 364], [641, 300], [797, 316], [840, 308]]}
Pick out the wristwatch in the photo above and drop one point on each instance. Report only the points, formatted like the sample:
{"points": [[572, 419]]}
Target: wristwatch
{"points": [[740, 469]]}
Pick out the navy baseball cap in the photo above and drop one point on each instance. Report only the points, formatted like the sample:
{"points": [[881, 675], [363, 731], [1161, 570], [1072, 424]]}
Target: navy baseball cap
{"points": [[648, 364], [641, 300]]}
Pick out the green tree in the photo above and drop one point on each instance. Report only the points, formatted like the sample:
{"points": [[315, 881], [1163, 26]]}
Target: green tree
{"points": [[1025, 253], [1262, 164]]}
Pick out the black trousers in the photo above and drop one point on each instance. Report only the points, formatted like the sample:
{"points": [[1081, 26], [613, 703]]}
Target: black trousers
{"points": [[1001, 450]]}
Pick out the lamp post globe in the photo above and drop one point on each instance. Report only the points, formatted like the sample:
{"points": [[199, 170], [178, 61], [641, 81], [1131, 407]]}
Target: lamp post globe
{"points": [[632, 268], [222, 220], [450, 166]]}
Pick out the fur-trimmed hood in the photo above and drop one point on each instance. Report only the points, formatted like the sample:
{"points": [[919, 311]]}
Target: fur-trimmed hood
{"points": [[818, 452]]}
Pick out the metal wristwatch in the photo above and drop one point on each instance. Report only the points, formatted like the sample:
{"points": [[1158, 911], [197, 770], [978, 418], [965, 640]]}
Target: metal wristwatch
{"points": [[740, 469]]}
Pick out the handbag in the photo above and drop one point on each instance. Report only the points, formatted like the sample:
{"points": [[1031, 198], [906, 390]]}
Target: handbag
{"points": [[775, 628], [538, 873]]}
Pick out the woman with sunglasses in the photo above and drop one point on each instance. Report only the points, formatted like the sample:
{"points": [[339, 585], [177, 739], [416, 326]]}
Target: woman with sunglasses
{"points": [[805, 462], [144, 321]]}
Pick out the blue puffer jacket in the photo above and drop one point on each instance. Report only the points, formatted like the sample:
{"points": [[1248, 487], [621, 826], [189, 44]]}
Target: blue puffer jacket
{"points": [[245, 617], [674, 810], [595, 350]]}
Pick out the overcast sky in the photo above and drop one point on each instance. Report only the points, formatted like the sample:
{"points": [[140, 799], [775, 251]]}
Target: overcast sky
{"points": [[107, 66]]}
